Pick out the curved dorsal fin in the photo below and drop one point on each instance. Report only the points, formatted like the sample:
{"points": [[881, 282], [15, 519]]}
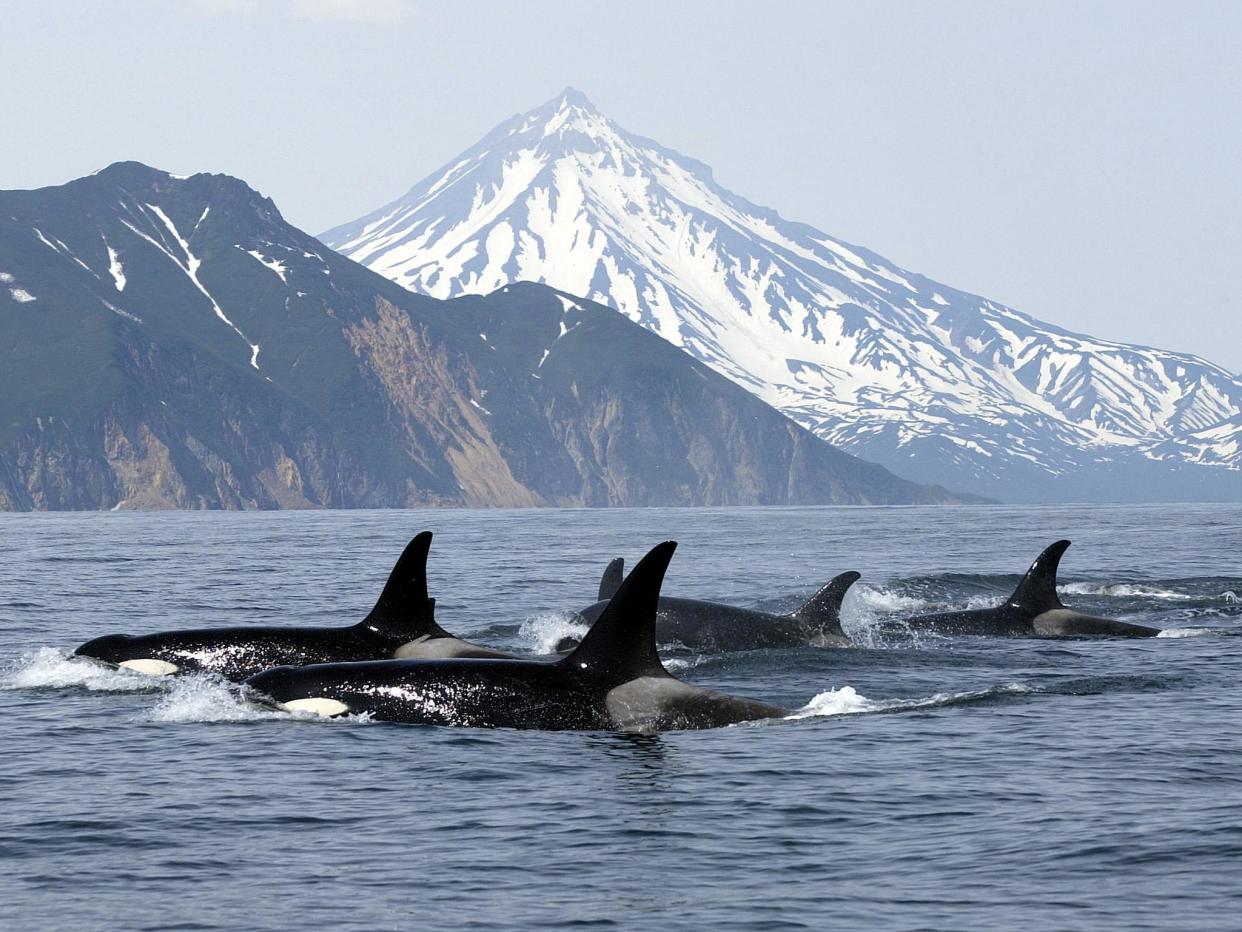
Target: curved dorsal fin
{"points": [[403, 609], [822, 611], [1038, 590], [610, 582], [621, 645]]}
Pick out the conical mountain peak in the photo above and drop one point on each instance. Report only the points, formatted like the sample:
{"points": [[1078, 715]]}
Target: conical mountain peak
{"points": [[572, 97], [889, 364], [568, 116]]}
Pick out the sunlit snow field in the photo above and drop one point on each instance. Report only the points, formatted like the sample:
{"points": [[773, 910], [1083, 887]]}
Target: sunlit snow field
{"points": [[930, 783]]}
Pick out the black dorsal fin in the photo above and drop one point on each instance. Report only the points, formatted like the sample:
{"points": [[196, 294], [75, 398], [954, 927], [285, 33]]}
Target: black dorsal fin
{"points": [[1038, 590], [610, 582], [822, 611], [403, 610], [621, 645]]}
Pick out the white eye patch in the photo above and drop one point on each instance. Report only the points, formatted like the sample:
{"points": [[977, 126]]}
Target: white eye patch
{"points": [[149, 666], [316, 706]]}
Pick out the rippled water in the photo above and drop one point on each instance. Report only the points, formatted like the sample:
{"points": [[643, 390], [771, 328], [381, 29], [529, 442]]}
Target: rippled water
{"points": [[932, 783]]}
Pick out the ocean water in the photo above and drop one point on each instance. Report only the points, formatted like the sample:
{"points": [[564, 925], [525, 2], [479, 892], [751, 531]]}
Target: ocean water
{"points": [[937, 783]]}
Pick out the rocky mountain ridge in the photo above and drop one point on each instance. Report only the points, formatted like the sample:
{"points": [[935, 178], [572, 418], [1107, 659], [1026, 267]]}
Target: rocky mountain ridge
{"points": [[174, 343]]}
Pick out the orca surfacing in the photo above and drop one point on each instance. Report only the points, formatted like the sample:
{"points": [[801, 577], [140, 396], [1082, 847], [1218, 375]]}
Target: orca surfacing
{"points": [[613, 680], [712, 627], [1034, 610], [402, 624]]}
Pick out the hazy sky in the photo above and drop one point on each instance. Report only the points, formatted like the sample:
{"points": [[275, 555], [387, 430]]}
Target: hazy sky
{"points": [[1080, 161]]}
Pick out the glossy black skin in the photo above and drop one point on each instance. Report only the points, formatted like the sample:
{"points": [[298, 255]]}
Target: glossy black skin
{"points": [[613, 679], [712, 627], [504, 694], [1034, 610], [1008, 621], [402, 623], [237, 653]]}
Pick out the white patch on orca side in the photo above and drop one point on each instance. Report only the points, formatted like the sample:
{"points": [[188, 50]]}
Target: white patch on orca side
{"points": [[1065, 622], [651, 703], [429, 648], [149, 666], [316, 705]]}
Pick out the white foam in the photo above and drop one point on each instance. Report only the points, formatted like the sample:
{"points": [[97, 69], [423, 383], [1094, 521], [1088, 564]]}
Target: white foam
{"points": [[1124, 590], [21, 295], [885, 600], [545, 631], [848, 701], [201, 698], [49, 667], [1185, 632], [682, 663], [843, 701]]}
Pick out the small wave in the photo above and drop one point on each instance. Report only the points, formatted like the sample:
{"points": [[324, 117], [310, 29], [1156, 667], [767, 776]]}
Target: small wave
{"points": [[848, 701], [1186, 632], [205, 698], [545, 631], [1230, 597], [50, 668], [684, 663], [1123, 591], [879, 599]]}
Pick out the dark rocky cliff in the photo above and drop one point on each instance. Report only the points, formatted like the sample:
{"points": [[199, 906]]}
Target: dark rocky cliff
{"points": [[174, 343]]}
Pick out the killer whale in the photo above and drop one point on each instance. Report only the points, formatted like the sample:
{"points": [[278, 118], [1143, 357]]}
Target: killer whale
{"points": [[712, 627], [1034, 610], [613, 680], [402, 624]]}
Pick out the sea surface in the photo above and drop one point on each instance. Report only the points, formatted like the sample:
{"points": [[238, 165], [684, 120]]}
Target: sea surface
{"points": [[937, 783]]}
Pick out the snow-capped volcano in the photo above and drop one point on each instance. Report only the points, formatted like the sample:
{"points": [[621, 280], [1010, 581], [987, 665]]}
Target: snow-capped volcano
{"points": [[895, 367]]}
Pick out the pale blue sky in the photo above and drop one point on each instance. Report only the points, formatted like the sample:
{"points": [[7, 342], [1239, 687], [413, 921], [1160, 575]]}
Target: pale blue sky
{"points": [[1079, 161]]}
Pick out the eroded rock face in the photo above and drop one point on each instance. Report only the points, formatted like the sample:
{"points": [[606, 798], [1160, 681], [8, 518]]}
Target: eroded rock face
{"points": [[178, 345]]}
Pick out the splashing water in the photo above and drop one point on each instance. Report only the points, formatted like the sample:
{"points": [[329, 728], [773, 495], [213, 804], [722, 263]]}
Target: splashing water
{"points": [[50, 668], [545, 631], [1186, 632], [206, 698], [1123, 591], [848, 701]]}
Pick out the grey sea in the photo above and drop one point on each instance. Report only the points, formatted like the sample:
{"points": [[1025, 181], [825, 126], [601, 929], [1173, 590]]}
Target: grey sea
{"points": [[930, 783]]}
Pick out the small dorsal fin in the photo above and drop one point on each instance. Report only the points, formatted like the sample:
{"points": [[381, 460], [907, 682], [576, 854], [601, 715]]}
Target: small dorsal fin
{"points": [[1038, 590], [610, 582], [822, 611], [621, 645], [403, 610]]}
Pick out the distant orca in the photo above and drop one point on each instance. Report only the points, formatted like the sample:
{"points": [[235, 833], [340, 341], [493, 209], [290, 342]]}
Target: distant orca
{"points": [[614, 679], [1034, 610], [402, 624], [710, 627]]}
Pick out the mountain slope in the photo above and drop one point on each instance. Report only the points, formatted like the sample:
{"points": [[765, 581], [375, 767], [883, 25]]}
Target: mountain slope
{"points": [[887, 364], [173, 342]]}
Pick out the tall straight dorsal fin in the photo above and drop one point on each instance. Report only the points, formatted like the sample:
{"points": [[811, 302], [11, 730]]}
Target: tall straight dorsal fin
{"points": [[621, 645], [822, 611], [1038, 590], [403, 609], [610, 582]]}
